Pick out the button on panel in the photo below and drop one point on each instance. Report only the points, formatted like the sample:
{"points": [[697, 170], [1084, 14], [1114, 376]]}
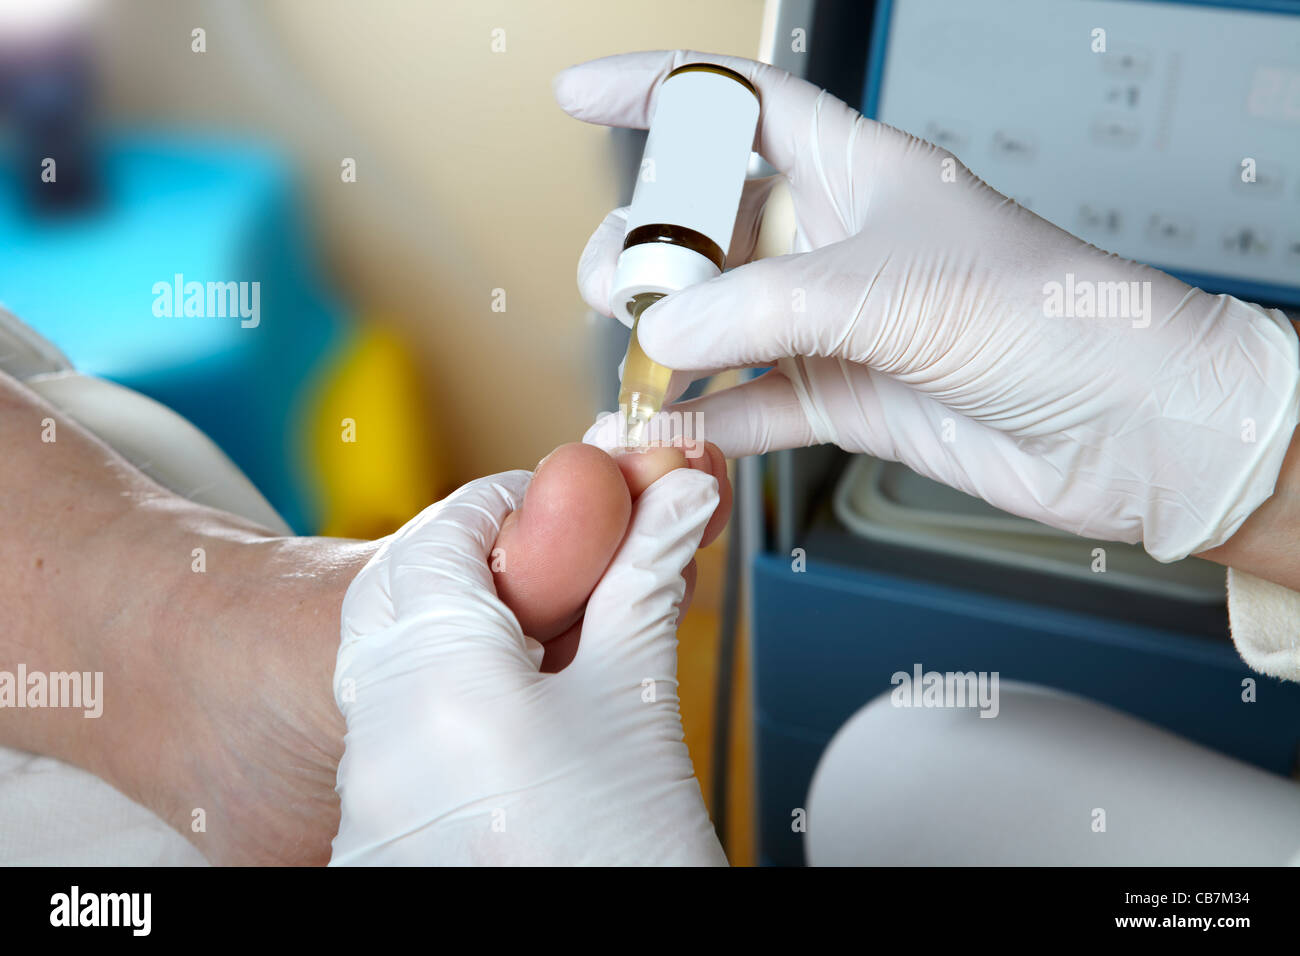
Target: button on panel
{"points": [[1115, 132], [1247, 241], [1016, 145], [1269, 182], [1291, 252], [1170, 231], [1097, 220], [949, 135], [1132, 62]]}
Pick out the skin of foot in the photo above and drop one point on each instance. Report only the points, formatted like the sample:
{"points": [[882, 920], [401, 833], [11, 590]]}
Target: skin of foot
{"points": [[218, 705]]}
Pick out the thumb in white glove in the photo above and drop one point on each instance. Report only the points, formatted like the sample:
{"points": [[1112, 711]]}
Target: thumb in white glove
{"points": [[459, 751]]}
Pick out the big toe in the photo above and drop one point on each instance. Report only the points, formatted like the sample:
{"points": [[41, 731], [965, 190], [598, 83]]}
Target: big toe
{"points": [[552, 551]]}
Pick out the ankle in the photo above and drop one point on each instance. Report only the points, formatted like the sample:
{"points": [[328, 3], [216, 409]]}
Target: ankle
{"points": [[218, 661]]}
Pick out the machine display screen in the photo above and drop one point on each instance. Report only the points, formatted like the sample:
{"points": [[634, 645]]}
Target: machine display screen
{"points": [[1167, 132]]}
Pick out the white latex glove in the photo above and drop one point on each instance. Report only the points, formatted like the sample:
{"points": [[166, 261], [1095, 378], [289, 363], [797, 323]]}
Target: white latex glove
{"points": [[911, 325], [459, 751]]}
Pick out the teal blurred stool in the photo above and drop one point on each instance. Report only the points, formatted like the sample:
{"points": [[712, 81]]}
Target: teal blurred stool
{"points": [[211, 212]]}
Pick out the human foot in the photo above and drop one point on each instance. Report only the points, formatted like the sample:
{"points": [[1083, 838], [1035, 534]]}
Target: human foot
{"points": [[218, 712], [275, 801]]}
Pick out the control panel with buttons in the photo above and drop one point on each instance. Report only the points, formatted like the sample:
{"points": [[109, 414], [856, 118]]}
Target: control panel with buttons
{"points": [[1166, 132]]}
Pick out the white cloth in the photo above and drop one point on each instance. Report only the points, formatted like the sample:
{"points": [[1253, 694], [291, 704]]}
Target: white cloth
{"points": [[52, 814], [1265, 620], [1034, 787]]}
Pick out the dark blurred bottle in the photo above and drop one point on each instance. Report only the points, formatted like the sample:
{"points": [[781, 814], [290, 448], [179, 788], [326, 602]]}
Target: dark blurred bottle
{"points": [[47, 99]]}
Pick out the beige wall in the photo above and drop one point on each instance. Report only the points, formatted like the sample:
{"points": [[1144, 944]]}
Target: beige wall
{"points": [[470, 178]]}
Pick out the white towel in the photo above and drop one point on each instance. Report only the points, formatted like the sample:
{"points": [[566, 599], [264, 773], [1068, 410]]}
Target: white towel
{"points": [[52, 814], [1265, 620]]}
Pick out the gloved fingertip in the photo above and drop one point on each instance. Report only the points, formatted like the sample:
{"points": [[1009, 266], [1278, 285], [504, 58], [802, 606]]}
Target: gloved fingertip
{"points": [[606, 433], [535, 651], [664, 329], [563, 89], [684, 498]]}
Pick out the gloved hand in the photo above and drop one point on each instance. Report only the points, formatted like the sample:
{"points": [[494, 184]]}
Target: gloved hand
{"points": [[458, 751], [917, 322]]}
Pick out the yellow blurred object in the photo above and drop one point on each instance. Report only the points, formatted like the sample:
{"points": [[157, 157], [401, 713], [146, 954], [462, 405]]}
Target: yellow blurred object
{"points": [[373, 458], [697, 674]]}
